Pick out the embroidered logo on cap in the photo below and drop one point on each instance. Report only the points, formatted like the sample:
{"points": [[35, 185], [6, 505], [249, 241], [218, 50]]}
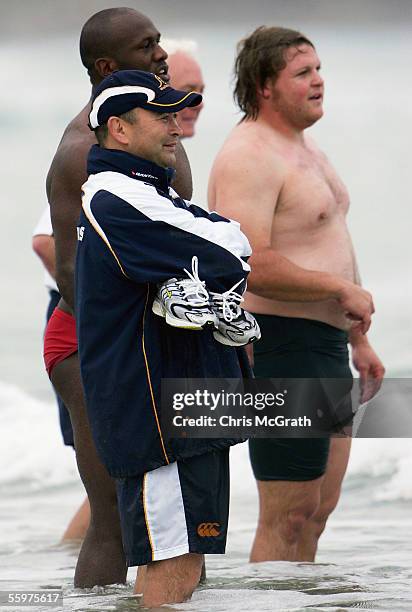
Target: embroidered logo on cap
{"points": [[162, 84]]}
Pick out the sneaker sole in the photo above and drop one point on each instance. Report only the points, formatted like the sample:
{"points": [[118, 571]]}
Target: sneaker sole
{"points": [[223, 340], [180, 323], [159, 310]]}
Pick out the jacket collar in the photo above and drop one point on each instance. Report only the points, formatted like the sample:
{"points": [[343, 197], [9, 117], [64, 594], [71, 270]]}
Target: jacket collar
{"points": [[112, 160]]}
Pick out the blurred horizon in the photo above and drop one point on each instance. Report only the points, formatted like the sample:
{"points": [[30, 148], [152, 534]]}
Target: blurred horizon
{"points": [[56, 17]]}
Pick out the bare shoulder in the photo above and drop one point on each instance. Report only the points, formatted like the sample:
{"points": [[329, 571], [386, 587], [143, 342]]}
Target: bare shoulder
{"points": [[250, 157], [69, 163], [246, 179], [68, 167]]}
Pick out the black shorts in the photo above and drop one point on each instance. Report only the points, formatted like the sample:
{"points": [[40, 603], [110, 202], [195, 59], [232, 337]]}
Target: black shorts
{"points": [[296, 348], [180, 508]]}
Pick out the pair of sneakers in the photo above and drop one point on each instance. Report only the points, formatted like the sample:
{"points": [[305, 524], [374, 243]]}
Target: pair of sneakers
{"points": [[186, 303]]}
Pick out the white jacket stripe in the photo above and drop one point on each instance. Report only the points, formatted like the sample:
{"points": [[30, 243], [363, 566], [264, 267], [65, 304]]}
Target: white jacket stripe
{"points": [[149, 202]]}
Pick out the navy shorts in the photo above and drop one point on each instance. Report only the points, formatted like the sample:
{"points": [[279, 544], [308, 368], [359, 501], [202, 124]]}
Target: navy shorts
{"points": [[176, 509], [296, 348]]}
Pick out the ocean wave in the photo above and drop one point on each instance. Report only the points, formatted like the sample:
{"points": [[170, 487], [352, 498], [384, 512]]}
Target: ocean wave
{"points": [[35, 456], [31, 451], [390, 460]]}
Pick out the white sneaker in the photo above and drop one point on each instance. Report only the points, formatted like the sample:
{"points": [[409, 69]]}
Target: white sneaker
{"points": [[185, 303], [236, 327]]}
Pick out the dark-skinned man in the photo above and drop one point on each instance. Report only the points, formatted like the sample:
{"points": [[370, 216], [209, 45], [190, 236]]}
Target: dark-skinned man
{"points": [[112, 39]]}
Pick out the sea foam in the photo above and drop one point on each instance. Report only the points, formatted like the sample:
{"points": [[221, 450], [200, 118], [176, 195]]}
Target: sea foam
{"points": [[31, 451]]}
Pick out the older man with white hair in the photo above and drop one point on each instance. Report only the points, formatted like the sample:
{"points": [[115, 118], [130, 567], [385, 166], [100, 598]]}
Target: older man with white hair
{"points": [[185, 74]]}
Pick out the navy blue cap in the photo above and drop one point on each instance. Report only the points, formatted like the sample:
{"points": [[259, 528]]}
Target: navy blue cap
{"points": [[127, 89]]}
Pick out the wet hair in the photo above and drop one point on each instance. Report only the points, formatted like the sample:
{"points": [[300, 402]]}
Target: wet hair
{"points": [[98, 37], [102, 131], [261, 56]]}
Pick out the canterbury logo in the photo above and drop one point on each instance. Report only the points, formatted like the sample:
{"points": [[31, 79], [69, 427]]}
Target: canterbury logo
{"points": [[208, 530]]}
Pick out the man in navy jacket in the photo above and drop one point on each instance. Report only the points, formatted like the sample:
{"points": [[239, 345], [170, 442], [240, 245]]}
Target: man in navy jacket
{"points": [[135, 233]]}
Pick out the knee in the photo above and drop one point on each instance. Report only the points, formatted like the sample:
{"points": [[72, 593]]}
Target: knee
{"points": [[291, 522], [320, 517], [295, 521]]}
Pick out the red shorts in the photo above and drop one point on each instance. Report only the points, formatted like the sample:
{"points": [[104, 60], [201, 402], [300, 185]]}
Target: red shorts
{"points": [[60, 340]]}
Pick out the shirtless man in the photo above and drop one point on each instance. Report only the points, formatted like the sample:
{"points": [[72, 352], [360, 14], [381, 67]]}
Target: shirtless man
{"points": [[304, 288], [185, 74], [112, 39]]}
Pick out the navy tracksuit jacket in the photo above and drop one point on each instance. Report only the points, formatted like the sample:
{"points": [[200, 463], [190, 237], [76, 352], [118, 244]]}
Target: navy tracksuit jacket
{"points": [[134, 233]]}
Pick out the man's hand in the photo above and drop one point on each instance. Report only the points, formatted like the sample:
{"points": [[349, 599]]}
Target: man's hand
{"points": [[357, 305], [370, 368]]}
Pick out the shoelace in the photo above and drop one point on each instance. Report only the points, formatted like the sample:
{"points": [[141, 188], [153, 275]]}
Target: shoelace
{"points": [[195, 285], [228, 302]]}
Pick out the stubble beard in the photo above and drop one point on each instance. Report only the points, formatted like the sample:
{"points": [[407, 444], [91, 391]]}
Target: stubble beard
{"points": [[296, 115], [299, 117]]}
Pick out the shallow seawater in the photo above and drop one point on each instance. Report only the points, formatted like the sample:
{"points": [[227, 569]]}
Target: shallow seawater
{"points": [[233, 584], [364, 558]]}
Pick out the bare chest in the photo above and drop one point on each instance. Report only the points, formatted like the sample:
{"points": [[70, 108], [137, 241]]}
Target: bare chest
{"points": [[312, 195]]}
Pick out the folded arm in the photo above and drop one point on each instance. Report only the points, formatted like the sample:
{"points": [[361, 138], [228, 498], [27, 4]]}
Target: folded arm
{"points": [[249, 191], [154, 240]]}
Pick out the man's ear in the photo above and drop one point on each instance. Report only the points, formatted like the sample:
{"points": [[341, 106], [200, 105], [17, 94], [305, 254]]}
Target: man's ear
{"points": [[265, 91], [104, 66], [116, 129]]}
